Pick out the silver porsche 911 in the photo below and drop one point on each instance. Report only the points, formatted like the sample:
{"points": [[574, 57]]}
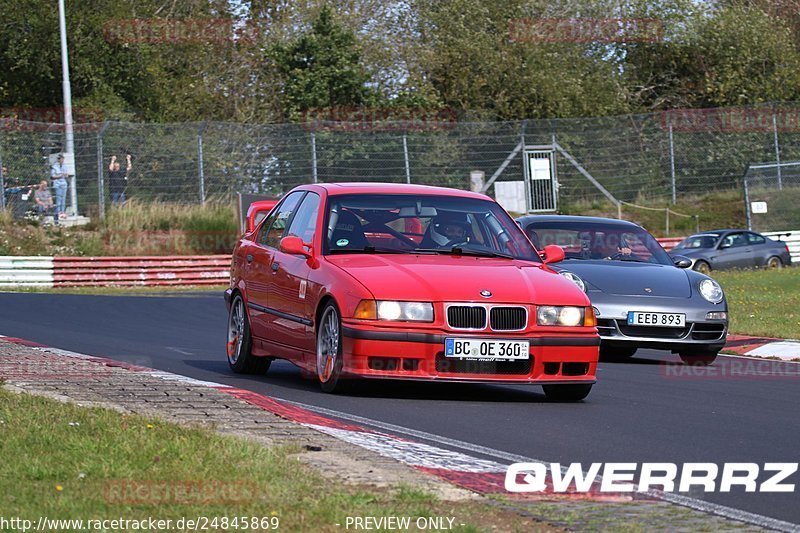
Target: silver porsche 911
{"points": [[643, 297]]}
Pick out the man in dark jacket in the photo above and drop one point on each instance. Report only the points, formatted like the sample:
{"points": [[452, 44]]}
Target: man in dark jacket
{"points": [[118, 179]]}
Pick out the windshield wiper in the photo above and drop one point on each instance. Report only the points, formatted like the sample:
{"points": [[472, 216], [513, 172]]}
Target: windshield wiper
{"points": [[371, 250], [455, 250]]}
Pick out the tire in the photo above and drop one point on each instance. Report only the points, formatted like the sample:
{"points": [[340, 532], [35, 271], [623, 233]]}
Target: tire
{"points": [[329, 350], [616, 353], [240, 342], [702, 267], [774, 262], [698, 358], [566, 393]]}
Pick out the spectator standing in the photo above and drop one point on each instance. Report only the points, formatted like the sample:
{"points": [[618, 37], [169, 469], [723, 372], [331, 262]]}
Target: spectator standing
{"points": [[118, 179], [44, 200], [59, 174]]}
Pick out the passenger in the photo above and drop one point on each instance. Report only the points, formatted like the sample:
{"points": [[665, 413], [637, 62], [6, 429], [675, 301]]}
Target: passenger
{"points": [[44, 201]]}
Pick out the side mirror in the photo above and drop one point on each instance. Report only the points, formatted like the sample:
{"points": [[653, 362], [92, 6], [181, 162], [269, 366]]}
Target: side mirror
{"points": [[295, 246], [724, 245], [552, 254], [681, 261]]}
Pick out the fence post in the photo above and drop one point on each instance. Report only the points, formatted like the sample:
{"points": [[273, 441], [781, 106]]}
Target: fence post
{"points": [[200, 174], [101, 192], [667, 233], [747, 204], [314, 158], [777, 149], [672, 163], [405, 155], [2, 185]]}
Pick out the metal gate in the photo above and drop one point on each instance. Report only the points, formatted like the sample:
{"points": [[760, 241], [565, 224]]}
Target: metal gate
{"points": [[541, 182]]}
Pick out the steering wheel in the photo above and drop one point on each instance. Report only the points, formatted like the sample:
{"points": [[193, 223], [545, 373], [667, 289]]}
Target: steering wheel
{"points": [[456, 242], [617, 255]]}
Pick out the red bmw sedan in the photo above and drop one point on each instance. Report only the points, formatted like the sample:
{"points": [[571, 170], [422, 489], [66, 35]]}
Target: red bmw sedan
{"points": [[387, 281]]}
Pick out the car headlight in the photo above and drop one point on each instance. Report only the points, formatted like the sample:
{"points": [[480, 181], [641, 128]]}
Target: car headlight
{"points": [[393, 310], [574, 278], [710, 290], [552, 315]]}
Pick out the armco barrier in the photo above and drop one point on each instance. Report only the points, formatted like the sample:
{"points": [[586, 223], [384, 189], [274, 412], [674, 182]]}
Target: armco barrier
{"points": [[149, 270], [23, 271], [668, 243]]}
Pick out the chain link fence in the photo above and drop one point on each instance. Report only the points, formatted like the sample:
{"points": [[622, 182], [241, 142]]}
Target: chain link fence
{"points": [[651, 157], [772, 196]]}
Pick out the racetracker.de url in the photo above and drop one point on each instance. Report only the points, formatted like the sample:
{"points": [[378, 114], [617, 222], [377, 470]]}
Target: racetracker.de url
{"points": [[198, 523]]}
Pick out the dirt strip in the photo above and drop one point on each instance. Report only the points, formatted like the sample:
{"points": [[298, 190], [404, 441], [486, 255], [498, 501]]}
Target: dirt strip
{"points": [[104, 383]]}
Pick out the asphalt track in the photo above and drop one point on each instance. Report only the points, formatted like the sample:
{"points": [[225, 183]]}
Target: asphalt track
{"points": [[637, 412]]}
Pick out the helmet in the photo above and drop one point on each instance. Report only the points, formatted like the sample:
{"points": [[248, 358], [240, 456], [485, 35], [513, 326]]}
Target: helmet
{"points": [[448, 227]]}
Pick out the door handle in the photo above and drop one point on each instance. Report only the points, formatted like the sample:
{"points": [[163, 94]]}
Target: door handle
{"points": [[249, 258], [275, 266]]}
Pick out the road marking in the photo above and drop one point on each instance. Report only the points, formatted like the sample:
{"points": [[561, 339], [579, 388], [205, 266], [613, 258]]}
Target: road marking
{"points": [[678, 499], [386, 442]]}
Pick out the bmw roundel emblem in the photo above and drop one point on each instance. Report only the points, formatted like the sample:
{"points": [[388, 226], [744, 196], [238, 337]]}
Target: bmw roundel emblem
{"points": [[486, 293]]}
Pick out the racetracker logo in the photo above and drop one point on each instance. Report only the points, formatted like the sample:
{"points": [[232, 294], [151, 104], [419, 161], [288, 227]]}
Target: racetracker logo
{"points": [[357, 119], [179, 31], [734, 369], [47, 119], [586, 30], [633, 477], [733, 120]]}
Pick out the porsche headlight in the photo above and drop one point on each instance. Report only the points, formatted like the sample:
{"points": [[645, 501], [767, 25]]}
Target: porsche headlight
{"points": [[551, 315], [574, 278], [710, 290], [393, 310]]}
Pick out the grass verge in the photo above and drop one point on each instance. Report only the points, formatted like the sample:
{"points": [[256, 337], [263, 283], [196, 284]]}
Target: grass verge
{"points": [[68, 462], [715, 210], [763, 302], [135, 229]]}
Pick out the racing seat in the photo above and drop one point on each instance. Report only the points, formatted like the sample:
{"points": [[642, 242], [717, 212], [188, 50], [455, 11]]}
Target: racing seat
{"points": [[348, 233]]}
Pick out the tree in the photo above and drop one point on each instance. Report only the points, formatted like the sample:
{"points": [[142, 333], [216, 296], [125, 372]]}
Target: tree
{"points": [[322, 69]]}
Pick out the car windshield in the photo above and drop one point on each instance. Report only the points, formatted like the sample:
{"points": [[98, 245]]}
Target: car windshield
{"points": [[708, 240], [423, 224], [598, 241]]}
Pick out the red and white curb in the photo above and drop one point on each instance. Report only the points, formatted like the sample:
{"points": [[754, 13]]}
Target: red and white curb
{"points": [[483, 476], [783, 349]]}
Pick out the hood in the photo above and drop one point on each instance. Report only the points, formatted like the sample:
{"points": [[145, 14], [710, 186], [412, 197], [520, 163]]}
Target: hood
{"points": [[631, 278], [443, 278]]}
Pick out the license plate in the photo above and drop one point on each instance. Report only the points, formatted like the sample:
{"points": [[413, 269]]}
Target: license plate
{"points": [[662, 320], [486, 350]]}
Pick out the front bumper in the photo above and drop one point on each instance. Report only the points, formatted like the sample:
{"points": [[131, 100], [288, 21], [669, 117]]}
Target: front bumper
{"points": [[698, 333], [372, 353]]}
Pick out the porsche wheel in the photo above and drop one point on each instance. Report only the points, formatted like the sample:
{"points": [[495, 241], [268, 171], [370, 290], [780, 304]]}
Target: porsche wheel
{"points": [[329, 349], [774, 262], [702, 267], [698, 358], [240, 343], [566, 393]]}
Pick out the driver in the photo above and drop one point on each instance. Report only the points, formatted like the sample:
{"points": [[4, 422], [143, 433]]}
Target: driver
{"points": [[449, 228]]}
